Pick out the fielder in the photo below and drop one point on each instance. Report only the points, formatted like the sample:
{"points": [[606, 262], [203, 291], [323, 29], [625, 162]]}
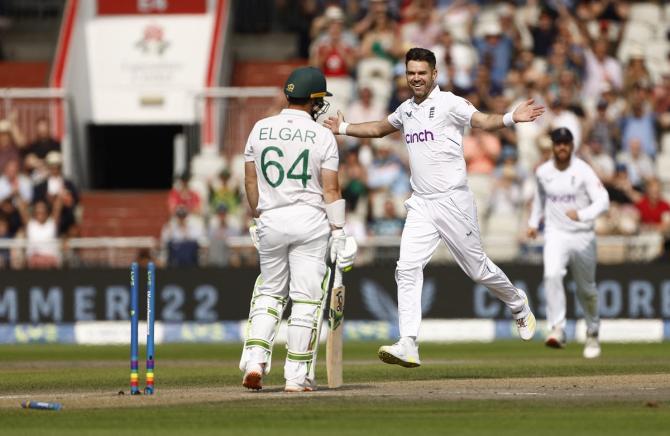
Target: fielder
{"points": [[291, 179], [569, 196], [441, 206]]}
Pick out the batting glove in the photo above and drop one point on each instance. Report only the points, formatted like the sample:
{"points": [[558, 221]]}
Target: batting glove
{"points": [[337, 240], [347, 255], [253, 232]]}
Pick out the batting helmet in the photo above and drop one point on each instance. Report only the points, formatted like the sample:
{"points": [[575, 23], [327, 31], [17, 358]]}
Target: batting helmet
{"points": [[306, 82]]}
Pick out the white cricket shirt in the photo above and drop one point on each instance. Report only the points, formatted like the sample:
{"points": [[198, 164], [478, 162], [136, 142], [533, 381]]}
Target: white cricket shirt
{"points": [[289, 151], [577, 187], [433, 133]]}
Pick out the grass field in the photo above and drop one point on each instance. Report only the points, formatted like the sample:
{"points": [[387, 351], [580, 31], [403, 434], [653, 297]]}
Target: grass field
{"points": [[502, 388]]}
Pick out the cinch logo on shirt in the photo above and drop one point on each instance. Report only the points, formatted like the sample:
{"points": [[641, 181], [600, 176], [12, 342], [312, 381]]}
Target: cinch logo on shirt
{"points": [[565, 198], [411, 138]]}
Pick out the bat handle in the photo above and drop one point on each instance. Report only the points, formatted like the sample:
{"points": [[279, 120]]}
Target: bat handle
{"points": [[337, 282]]}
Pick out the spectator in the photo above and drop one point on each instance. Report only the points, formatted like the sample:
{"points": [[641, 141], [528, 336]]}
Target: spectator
{"points": [[456, 62], [602, 163], [56, 185], [640, 167], [44, 143], [481, 150], [389, 224], [41, 231], [224, 191], [506, 197], [8, 149], [544, 33], [602, 130], [335, 55], [181, 237], [381, 40], [654, 210], [423, 30], [220, 253], [495, 51], [622, 216], [640, 122], [387, 170], [354, 179], [636, 72], [182, 195], [14, 183], [661, 98], [601, 69]]}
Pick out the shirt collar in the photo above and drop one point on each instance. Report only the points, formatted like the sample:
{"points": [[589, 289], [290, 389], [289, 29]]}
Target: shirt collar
{"points": [[431, 96], [296, 112]]}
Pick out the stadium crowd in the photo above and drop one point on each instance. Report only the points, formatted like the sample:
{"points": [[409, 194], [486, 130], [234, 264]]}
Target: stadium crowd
{"points": [[600, 67]]}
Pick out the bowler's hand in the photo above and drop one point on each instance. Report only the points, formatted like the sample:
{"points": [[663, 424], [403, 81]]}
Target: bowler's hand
{"points": [[333, 123], [531, 233], [572, 214], [527, 111]]}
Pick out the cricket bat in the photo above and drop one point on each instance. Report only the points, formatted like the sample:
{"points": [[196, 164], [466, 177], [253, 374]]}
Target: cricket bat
{"points": [[335, 332]]}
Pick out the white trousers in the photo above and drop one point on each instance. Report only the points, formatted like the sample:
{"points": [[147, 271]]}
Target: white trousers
{"points": [[452, 218], [578, 251], [292, 249]]}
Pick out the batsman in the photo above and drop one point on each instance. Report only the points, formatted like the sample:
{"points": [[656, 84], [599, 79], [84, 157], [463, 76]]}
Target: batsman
{"points": [[291, 180]]}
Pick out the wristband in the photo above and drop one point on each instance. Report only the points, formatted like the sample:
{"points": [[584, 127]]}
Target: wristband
{"points": [[342, 130], [508, 119]]}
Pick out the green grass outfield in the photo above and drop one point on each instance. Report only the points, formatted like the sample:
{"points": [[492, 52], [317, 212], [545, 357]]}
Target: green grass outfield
{"points": [[460, 389]]}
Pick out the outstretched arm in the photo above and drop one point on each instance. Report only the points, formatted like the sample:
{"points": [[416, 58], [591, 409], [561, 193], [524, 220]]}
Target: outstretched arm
{"points": [[372, 129], [525, 112]]}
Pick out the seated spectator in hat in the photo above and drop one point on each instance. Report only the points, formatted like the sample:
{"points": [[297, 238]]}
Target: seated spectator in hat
{"points": [[220, 252], [56, 185], [8, 148], [41, 232], [182, 195], [654, 210], [640, 166], [495, 51], [181, 237], [14, 183]]}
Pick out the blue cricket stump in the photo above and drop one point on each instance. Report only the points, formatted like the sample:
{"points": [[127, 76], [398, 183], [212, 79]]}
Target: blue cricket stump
{"points": [[151, 298], [134, 320]]}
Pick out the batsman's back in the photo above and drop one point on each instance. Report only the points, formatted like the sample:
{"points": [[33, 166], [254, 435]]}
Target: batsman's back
{"points": [[289, 150]]}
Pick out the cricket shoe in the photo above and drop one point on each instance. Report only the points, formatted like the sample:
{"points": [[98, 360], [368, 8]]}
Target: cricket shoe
{"points": [[591, 347], [405, 353], [299, 387], [253, 377], [556, 338], [525, 320]]}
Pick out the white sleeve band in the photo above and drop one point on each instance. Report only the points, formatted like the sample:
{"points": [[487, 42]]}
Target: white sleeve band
{"points": [[342, 130], [335, 213], [508, 119]]}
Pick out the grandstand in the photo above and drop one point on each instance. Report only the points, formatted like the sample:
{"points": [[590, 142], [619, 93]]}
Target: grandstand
{"points": [[127, 97]]}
